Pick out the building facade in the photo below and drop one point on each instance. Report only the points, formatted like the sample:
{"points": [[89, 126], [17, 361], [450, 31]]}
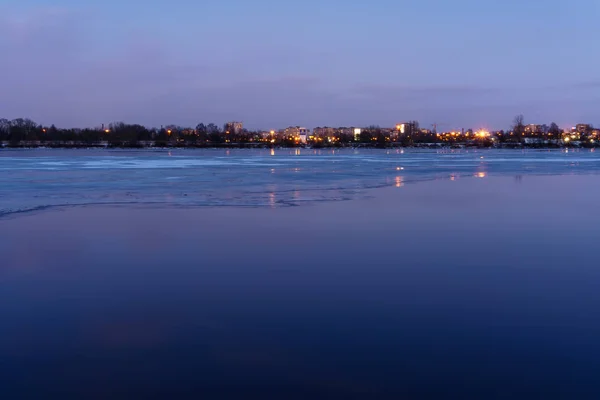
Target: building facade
{"points": [[582, 129]]}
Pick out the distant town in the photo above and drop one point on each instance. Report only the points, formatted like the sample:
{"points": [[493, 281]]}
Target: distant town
{"points": [[20, 133]]}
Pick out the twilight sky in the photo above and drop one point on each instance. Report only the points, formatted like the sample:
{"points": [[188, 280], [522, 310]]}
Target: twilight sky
{"points": [[273, 63]]}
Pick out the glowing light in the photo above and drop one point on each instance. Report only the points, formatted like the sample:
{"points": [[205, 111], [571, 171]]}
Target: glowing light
{"points": [[398, 182], [481, 175], [272, 132], [567, 139], [272, 140], [107, 130]]}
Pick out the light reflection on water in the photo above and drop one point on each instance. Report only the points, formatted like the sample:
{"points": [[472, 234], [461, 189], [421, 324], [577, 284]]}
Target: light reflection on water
{"points": [[399, 182], [272, 201], [41, 178]]}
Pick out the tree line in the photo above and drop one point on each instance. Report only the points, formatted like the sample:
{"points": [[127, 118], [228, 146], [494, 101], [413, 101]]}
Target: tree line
{"points": [[22, 132]]}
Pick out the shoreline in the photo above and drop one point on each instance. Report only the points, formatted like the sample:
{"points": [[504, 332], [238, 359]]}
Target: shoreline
{"points": [[431, 146]]}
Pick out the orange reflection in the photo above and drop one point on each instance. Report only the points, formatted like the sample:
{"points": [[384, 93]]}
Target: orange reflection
{"points": [[481, 175], [272, 152], [399, 182]]}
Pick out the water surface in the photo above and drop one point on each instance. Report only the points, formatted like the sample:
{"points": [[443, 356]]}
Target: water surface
{"points": [[480, 286], [38, 179]]}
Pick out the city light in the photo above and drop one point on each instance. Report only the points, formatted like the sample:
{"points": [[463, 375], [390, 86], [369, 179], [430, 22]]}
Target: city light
{"points": [[398, 135]]}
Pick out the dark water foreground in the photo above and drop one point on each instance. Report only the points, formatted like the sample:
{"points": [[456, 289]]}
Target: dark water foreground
{"points": [[473, 288]]}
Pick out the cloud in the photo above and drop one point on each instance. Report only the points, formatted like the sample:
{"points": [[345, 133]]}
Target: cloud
{"points": [[367, 89], [60, 67]]}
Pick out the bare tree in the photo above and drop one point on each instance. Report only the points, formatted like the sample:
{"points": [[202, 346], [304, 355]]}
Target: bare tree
{"points": [[519, 126], [554, 131]]}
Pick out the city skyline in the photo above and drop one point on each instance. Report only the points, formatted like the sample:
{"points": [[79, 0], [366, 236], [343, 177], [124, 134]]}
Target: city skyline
{"points": [[269, 64]]}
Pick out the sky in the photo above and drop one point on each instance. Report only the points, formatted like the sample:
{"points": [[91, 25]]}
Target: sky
{"points": [[274, 63]]}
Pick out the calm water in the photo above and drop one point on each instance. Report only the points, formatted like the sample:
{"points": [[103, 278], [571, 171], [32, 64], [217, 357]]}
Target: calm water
{"points": [[484, 285]]}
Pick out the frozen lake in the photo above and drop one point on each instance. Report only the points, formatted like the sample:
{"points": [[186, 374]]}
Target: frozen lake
{"points": [[38, 179]]}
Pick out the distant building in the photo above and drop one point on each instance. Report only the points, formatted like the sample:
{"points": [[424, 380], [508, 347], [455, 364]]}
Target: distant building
{"points": [[303, 134], [357, 132], [324, 132], [583, 128], [298, 133], [234, 127], [406, 128], [533, 129], [345, 131]]}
